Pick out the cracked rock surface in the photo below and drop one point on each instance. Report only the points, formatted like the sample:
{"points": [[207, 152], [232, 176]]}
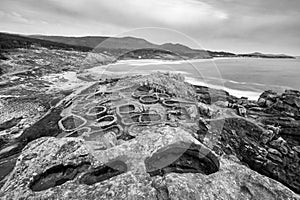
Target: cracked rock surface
{"points": [[190, 143]]}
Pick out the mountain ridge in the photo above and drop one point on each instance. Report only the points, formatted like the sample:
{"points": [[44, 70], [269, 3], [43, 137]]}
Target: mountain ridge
{"points": [[174, 47], [116, 46]]}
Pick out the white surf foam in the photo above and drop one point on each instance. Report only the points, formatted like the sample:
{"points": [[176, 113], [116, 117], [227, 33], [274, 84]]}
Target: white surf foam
{"points": [[238, 93]]}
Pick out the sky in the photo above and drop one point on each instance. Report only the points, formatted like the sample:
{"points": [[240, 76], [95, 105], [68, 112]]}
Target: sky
{"points": [[240, 26]]}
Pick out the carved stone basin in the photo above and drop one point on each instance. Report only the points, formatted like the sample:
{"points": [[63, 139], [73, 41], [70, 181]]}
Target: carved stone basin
{"points": [[149, 99], [96, 112], [171, 103], [106, 121], [182, 158], [79, 132], [72, 122], [137, 94], [117, 129], [126, 109], [150, 117], [133, 119]]}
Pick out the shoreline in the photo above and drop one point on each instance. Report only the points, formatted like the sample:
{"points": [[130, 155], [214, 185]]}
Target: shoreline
{"points": [[154, 61], [251, 95], [104, 70]]}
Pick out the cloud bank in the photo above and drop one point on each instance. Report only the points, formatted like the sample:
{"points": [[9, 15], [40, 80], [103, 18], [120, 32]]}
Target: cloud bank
{"points": [[232, 25]]}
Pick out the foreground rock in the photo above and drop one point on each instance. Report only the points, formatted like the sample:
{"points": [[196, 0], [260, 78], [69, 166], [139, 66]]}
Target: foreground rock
{"points": [[50, 168], [157, 137]]}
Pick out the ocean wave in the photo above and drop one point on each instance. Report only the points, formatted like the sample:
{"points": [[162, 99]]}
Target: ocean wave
{"points": [[251, 95]]}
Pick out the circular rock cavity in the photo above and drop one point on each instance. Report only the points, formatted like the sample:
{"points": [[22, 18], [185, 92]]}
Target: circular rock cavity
{"points": [[131, 120], [170, 103], [150, 118], [79, 132], [117, 129], [182, 158], [96, 112], [149, 99], [126, 109], [72, 122], [137, 94], [106, 121]]}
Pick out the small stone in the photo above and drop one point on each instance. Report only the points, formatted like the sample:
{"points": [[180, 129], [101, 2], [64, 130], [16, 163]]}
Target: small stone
{"points": [[274, 152], [263, 152], [26, 126], [14, 130], [242, 111], [278, 142], [296, 148], [284, 150], [274, 158], [280, 145], [267, 136]]}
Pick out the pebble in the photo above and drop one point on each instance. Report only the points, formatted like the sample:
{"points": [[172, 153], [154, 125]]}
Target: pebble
{"points": [[296, 148], [274, 152], [26, 126], [274, 157], [280, 144], [14, 130]]}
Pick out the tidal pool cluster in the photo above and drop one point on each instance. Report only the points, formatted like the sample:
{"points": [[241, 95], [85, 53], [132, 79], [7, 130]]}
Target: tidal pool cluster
{"points": [[119, 111]]}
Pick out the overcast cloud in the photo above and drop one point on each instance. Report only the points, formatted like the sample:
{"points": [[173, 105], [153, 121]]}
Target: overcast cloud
{"points": [[270, 26]]}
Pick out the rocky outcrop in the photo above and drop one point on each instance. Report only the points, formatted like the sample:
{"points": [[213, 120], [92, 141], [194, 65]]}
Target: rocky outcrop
{"points": [[267, 139], [149, 137], [261, 149], [66, 168], [285, 104]]}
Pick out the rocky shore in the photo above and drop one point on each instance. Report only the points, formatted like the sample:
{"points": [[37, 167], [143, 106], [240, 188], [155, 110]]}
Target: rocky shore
{"points": [[152, 137]]}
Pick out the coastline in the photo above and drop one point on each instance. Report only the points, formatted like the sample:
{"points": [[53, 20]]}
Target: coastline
{"points": [[161, 61], [251, 95], [101, 70]]}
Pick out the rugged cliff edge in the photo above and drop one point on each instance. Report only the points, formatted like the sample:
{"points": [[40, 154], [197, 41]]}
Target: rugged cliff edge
{"points": [[156, 137]]}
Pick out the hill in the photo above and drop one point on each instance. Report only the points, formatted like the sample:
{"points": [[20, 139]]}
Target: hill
{"points": [[12, 41], [113, 46], [120, 46]]}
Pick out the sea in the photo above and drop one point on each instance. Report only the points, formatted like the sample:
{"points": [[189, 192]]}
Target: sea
{"points": [[241, 77]]}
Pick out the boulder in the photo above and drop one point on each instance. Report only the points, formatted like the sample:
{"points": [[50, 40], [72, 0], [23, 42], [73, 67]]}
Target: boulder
{"points": [[239, 181], [68, 168], [267, 98]]}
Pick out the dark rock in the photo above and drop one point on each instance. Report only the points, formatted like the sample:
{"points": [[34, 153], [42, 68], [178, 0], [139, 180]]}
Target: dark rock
{"points": [[244, 138], [182, 158], [46, 126], [203, 126], [289, 128], [267, 98], [10, 123], [209, 95], [56, 175], [102, 173]]}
